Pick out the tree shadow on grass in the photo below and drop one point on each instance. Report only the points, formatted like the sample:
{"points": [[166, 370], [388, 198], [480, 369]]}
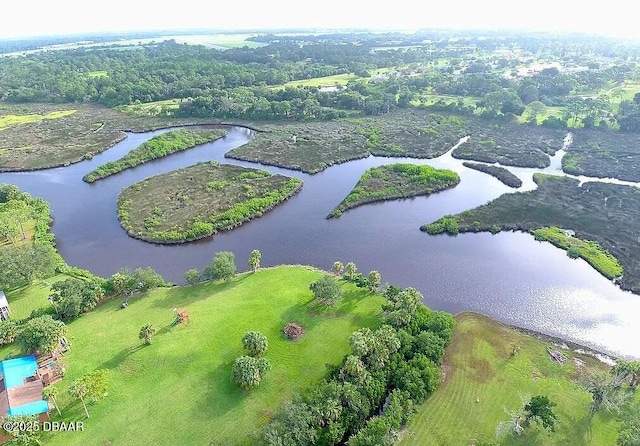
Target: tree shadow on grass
{"points": [[222, 395], [190, 294], [116, 360], [580, 432]]}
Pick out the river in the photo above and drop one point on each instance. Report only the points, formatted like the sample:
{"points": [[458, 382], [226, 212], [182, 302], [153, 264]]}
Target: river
{"points": [[508, 276]]}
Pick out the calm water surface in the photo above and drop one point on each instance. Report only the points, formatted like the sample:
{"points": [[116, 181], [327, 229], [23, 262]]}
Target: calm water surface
{"points": [[508, 276]]}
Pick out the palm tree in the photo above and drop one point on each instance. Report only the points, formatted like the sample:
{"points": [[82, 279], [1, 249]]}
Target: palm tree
{"points": [[146, 333], [50, 393], [78, 389], [606, 391]]}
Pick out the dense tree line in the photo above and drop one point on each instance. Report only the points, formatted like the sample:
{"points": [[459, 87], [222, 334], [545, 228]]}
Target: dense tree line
{"points": [[371, 395], [233, 83]]}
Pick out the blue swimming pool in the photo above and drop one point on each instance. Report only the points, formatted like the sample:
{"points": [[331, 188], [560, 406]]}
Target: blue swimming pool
{"points": [[16, 370], [29, 409]]}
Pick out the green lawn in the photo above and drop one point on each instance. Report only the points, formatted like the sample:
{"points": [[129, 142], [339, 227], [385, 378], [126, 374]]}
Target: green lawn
{"points": [[325, 81], [178, 390], [22, 301], [9, 120], [482, 379]]}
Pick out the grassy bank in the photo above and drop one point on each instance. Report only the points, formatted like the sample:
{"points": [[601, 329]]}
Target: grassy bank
{"points": [[482, 379], [592, 252], [603, 213], [199, 201], [157, 147], [502, 174], [39, 136], [396, 181], [178, 389]]}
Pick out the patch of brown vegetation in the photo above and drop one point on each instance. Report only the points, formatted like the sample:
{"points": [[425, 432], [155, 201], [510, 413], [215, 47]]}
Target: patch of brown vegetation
{"points": [[293, 331], [69, 138]]}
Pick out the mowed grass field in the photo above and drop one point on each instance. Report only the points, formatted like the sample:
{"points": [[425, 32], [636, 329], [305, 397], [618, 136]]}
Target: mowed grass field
{"points": [[482, 379], [178, 391]]}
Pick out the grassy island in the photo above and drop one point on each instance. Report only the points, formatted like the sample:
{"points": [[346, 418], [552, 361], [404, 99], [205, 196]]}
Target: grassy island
{"points": [[483, 379], [502, 174], [396, 181], [604, 217], [198, 201], [157, 147]]}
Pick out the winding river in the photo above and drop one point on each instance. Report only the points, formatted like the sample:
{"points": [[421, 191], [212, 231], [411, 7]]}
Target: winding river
{"points": [[509, 276]]}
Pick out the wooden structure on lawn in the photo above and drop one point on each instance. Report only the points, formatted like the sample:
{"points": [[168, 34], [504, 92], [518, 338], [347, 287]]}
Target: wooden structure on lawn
{"points": [[182, 316]]}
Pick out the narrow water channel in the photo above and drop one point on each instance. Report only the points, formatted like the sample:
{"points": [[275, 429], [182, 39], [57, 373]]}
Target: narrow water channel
{"points": [[508, 276]]}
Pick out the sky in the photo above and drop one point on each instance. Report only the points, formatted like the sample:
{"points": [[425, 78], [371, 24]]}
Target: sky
{"points": [[52, 17]]}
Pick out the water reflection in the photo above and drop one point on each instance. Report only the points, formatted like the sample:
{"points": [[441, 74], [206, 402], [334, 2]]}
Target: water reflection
{"points": [[508, 276]]}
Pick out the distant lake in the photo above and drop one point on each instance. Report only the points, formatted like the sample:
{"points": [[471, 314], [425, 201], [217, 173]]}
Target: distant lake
{"points": [[508, 276]]}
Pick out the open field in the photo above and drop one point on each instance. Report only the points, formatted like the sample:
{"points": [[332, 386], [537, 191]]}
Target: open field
{"points": [[157, 147], [324, 81], [178, 389], [154, 108], [38, 136], [600, 212], [9, 120], [396, 181], [198, 201], [482, 379], [498, 172]]}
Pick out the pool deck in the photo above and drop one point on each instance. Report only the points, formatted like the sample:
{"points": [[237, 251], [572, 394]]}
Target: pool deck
{"points": [[20, 385]]}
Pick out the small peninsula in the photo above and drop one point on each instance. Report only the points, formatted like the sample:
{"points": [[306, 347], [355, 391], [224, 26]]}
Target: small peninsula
{"points": [[396, 181]]}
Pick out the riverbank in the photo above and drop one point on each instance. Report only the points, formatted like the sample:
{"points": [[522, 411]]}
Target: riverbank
{"points": [[143, 406], [594, 211], [489, 369], [199, 201]]}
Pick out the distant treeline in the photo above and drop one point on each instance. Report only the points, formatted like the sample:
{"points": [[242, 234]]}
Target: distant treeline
{"points": [[236, 83]]}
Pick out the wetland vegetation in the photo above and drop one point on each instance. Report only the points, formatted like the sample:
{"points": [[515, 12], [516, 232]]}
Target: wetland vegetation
{"points": [[602, 216], [502, 174], [156, 147], [396, 181], [40, 136], [312, 147], [604, 155], [367, 363], [199, 201]]}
